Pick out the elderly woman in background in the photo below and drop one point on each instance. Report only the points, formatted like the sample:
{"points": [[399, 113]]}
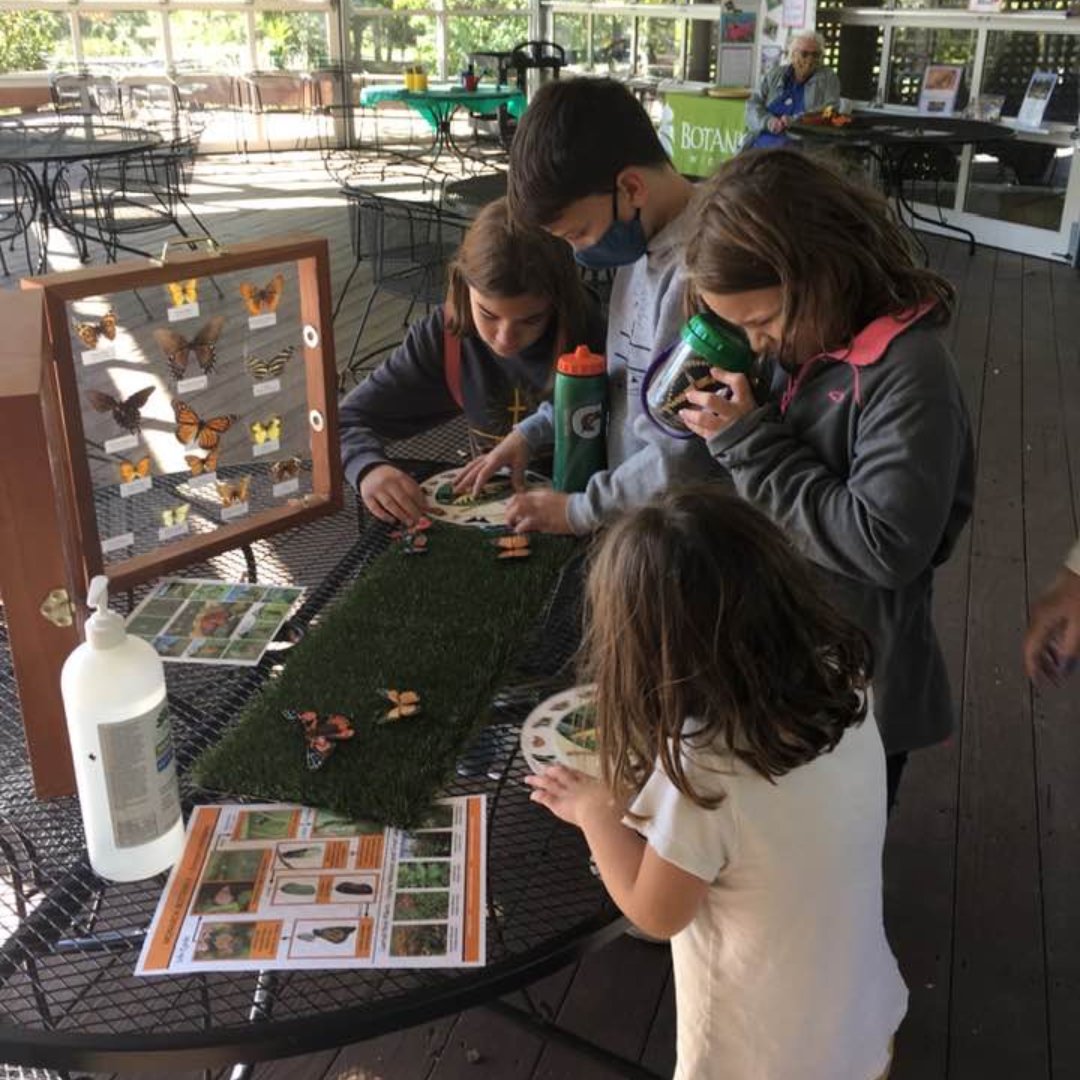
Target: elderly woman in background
{"points": [[788, 91]]}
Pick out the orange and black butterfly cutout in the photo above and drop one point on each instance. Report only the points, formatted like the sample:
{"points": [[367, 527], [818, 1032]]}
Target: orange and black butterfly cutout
{"points": [[321, 734], [404, 703], [125, 411], [133, 470], [193, 430], [201, 465], [262, 301], [512, 547], [180, 351], [90, 333]]}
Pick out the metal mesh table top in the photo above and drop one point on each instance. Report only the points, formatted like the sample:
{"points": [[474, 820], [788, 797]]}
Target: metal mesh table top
{"points": [[68, 998]]}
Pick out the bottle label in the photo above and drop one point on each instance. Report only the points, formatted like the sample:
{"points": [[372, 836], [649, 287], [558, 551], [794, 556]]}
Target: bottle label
{"points": [[140, 777], [587, 422]]}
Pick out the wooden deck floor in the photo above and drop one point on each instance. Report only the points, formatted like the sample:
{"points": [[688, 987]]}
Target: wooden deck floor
{"points": [[983, 853]]}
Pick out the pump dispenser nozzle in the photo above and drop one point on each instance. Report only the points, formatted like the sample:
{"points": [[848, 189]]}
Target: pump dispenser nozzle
{"points": [[104, 628]]}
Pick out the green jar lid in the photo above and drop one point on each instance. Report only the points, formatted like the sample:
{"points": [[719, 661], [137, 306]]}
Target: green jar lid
{"points": [[718, 343]]}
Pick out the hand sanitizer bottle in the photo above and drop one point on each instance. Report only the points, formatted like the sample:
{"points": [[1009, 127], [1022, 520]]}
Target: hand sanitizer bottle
{"points": [[113, 687]]}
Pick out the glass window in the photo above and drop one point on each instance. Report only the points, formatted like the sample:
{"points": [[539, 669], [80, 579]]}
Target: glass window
{"points": [[113, 39], [483, 33], [209, 40], [613, 44], [388, 43], [913, 47], [34, 40], [1012, 57], [572, 33], [1021, 182], [291, 40], [659, 44], [854, 53]]}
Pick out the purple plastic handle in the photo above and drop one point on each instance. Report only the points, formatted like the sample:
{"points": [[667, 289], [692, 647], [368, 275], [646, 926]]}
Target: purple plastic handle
{"points": [[646, 382]]}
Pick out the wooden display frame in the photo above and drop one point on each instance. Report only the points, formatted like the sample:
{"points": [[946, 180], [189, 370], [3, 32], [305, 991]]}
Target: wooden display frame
{"points": [[70, 464]]}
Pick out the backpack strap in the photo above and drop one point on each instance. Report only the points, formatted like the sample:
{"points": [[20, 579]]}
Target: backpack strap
{"points": [[452, 363]]}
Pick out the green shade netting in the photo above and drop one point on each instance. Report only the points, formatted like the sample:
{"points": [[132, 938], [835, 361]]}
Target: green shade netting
{"points": [[450, 624]]}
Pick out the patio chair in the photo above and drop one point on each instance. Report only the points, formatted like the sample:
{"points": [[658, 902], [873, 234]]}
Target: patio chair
{"points": [[208, 97], [18, 212], [408, 245], [84, 93], [546, 58], [154, 102], [276, 93]]}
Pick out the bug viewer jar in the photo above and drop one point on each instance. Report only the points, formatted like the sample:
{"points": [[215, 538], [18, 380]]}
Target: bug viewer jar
{"points": [[704, 342]]}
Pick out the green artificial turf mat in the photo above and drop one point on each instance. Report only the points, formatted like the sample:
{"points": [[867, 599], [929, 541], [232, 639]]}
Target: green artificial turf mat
{"points": [[450, 624]]}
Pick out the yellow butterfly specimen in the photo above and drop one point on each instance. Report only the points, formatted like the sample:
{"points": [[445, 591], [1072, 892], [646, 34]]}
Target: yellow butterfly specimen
{"points": [[133, 470], [183, 292], [175, 515], [260, 369], [266, 299], [268, 430], [90, 333], [199, 465], [234, 492]]}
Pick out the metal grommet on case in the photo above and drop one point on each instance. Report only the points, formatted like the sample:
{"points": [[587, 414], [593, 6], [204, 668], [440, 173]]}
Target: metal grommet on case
{"points": [[315, 418], [311, 336]]}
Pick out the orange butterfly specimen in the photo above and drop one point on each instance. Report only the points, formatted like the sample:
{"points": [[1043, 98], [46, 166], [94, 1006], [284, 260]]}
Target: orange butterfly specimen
{"points": [[180, 351], [512, 547], [199, 465], [259, 301], [404, 703], [133, 470], [280, 471], [321, 734], [90, 333], [235, 492], [125, 411], [192, 429]]}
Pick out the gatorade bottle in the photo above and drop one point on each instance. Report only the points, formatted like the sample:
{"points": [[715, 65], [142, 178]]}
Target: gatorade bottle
{"points": [[580, 411], [704, 342]]}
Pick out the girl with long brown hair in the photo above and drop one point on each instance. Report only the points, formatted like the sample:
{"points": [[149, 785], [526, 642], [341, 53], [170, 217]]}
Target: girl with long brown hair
{"points": [[514, 303], [852, 432], [740, 807]]}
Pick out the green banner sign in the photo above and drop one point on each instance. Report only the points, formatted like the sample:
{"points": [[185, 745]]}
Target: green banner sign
{"points": [[699, 132]]}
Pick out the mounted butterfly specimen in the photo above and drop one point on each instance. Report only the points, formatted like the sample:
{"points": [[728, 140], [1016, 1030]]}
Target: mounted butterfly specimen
{"points": [[260, 369], [193, 430], [90, 333], [280, 471], [321, 734], [336, 935], [175, 515], [180, 351], [133, 470], [125, 411], [404, 703], [183, 292], [200, 465], [268, 430], [234, 492], [260, 301]]}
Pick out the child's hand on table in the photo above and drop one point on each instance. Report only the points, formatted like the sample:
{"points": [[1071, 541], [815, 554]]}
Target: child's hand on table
{"points": [[717, 411], [392, 495], [571, 795], [540, 510], [511, 453]]}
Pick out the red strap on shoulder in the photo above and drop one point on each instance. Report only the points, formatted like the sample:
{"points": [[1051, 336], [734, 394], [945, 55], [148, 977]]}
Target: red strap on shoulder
{"points": [[452, 363]]}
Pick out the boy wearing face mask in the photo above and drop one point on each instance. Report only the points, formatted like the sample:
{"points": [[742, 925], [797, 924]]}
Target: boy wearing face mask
{"points": [[586, 165]]}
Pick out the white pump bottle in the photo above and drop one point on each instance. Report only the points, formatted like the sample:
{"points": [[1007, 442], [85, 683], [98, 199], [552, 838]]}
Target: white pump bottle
{"points": [[113, 686]]}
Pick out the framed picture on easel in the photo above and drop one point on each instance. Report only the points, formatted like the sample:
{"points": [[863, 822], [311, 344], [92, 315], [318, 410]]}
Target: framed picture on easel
{"points": [[940, 87], [1040, 87]]}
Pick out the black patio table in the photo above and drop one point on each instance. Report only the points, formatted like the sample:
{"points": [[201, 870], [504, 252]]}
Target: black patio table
{"points": [[35, 146], [894, 139], [68, 998]]}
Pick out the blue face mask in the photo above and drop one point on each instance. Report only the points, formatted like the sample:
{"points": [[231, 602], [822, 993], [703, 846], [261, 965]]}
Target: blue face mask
{"points": [[623, 243]]}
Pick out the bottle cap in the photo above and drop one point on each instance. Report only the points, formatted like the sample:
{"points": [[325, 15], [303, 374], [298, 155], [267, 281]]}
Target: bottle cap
{"points": [[720, 344], [581, 362], [104, 628]]}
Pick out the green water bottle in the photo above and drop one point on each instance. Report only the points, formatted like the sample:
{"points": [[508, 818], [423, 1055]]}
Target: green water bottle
{"points": [[704, 342], [580, 412]]}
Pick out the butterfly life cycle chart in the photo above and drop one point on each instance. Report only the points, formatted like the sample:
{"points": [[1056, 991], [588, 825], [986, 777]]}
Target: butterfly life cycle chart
{"points": [[276, 887], [205, 396], [212, 622]]}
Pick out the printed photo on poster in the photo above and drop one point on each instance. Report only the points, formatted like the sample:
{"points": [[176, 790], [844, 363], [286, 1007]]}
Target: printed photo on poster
{"points": [[940, 87], [1040, 87]]}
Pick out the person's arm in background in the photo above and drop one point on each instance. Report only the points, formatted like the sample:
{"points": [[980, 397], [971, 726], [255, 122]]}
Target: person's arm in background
{"points": [[1052, 642], [757, 114], [404, 396]]}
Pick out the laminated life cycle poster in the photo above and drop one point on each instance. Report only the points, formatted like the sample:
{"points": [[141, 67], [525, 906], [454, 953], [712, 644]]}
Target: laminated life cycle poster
{"points": [[277, 886]]}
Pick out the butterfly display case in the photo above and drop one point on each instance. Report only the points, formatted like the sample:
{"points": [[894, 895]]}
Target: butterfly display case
{"points": [[198, 403]]}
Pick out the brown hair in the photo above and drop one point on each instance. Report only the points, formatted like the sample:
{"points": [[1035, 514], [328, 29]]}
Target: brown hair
{"points": [[574, 139], [501, 259], [780, 217], [698, 608]]}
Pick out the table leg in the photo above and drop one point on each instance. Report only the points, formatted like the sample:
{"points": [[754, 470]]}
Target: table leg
{"points": [[260, 1010]]}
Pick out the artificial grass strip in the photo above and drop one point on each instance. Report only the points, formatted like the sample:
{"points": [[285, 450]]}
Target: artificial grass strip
{"points": [[450, 624]]}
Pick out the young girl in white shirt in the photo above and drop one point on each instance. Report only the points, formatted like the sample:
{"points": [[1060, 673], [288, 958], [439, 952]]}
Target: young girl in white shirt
{"points": [[741, 809]]}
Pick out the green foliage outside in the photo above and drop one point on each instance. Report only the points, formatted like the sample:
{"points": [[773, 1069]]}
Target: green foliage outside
{"points": [[28, 39], [292, 40]]}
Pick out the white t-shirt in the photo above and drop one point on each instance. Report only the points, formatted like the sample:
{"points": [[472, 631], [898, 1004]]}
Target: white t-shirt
{"points": [[784, 972]]}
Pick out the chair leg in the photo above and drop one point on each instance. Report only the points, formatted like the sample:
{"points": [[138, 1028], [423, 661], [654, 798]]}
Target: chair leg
{"points": [[363, 323]]}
